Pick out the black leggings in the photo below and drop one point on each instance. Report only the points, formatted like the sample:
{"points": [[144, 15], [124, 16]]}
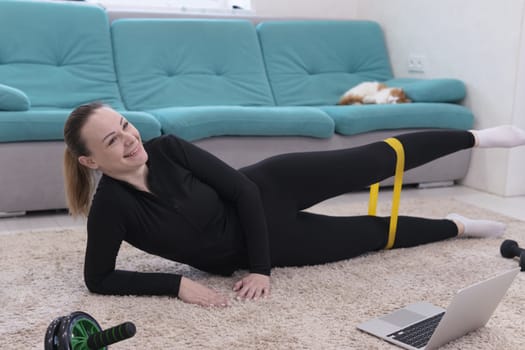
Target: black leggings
{"points": [[293, 182]]}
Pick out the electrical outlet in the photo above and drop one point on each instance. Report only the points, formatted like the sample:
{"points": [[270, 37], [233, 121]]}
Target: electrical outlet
{"points": [[416, 63]]}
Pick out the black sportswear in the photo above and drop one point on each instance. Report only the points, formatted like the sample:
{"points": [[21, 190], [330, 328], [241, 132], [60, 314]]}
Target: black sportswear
{"points": [[208, 215]]}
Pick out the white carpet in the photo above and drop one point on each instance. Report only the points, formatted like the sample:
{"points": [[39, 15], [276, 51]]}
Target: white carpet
{"points": [[310, 308]]}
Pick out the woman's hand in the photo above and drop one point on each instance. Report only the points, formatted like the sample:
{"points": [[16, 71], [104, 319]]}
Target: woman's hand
{"points": [[195, 293], [253, 286]]}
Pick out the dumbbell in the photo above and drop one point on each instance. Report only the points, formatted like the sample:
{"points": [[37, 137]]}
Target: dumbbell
{"points": [[80, 331], [510, 249]]}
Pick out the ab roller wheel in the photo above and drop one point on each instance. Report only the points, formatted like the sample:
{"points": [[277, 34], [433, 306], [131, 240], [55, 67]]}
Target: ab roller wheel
{"points": [[80, 331]]}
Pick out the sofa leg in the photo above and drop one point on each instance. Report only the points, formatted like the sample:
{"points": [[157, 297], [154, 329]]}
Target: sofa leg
{"points": [[10, 214], [435, 184]]}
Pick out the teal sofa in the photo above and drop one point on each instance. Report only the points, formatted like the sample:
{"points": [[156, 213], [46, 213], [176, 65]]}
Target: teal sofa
{"points": [[241, 90]]}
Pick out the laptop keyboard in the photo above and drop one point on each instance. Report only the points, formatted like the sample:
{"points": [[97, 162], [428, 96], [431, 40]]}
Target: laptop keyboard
{"points": [[418, 334]]}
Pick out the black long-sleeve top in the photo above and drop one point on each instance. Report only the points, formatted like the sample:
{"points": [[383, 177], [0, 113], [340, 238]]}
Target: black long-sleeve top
{"points": [[200, 212]]}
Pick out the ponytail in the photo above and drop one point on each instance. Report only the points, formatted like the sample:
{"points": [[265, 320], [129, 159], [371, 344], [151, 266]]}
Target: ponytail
{"points": [[79, 184], [79, 181]]}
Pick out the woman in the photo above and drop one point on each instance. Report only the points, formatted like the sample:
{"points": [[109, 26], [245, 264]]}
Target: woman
{"points": [[169, 198]]}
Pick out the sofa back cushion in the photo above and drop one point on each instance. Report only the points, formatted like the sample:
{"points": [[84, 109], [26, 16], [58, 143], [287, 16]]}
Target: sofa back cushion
{"points": [[315, 62], [59, 54], [189, 62]]}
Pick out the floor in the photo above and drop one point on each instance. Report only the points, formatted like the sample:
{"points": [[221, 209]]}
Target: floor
{"points": [[510, 206]]}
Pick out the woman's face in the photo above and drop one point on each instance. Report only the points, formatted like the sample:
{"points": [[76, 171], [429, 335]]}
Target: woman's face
{"points": [[115, 145]]}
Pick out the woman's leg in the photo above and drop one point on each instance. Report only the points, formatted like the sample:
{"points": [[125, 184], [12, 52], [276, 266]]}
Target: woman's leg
{"points": [[311, 177], [317, 239], [292, 182]]}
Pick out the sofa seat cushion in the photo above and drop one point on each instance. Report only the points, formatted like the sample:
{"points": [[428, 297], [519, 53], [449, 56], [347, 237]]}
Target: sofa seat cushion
{"points": [[430, 90], [193, 123], [312, 63], [148, 126], [48, 124], [33, 125], [350, 120], [12, 99], [164, 63]]}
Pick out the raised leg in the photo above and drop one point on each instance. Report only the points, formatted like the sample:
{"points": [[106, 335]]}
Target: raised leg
{"points": [[311, 177]]}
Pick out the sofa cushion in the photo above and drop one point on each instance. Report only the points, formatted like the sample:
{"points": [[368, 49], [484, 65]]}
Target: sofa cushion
{"points": [[148, 126], [12, 99], [350, 120], [47, 124], [315, 62], [193, 123], [431, 90], [178, 62], [58, 53]]}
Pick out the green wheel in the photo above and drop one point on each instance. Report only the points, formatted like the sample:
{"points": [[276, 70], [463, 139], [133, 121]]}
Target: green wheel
{"points": [[75, 330]]}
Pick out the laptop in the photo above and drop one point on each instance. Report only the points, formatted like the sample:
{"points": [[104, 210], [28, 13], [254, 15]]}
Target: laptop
{"points": [[425, 326]]}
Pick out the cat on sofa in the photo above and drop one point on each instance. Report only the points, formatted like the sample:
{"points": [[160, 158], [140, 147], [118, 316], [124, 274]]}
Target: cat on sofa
{"points": [[373, 92]]}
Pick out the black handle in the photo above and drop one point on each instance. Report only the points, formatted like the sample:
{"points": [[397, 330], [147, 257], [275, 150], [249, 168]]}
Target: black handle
{"points": [[510, 249], [111, 335]]}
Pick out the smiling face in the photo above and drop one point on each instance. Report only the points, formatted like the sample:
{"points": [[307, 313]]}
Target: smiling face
{"points": [[114, 144]]}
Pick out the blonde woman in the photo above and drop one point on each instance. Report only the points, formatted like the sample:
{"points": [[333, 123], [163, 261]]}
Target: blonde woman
{"points": [[169, 198]]}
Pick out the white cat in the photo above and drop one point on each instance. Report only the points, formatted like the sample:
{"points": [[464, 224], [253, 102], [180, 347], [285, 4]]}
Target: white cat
{"points": [[373, 92]]}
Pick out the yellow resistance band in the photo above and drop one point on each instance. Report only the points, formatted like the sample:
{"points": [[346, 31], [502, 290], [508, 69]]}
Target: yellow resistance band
{"points": [[398, 183]]}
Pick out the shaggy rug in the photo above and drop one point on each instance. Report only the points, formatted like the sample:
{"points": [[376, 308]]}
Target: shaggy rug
{"points": [[314, 307]]}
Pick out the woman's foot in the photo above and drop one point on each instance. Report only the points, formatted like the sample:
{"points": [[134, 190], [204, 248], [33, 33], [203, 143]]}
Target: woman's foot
{"points": [[477, 228], [504, 136]]}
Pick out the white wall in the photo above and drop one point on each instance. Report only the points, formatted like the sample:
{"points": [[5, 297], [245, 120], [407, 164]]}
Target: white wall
{"points": [[516, 178], [478, 41], [329, 9]]}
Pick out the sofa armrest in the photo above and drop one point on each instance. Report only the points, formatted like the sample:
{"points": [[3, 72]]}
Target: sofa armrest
{"points": [[430, 90], [13, 99]]}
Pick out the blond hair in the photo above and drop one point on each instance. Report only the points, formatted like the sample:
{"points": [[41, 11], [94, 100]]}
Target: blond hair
{"points": [[79, 180]]}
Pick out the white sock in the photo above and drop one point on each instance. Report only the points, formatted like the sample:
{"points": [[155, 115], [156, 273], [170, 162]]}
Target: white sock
{"points": [[478, 228], [505, 136]]}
